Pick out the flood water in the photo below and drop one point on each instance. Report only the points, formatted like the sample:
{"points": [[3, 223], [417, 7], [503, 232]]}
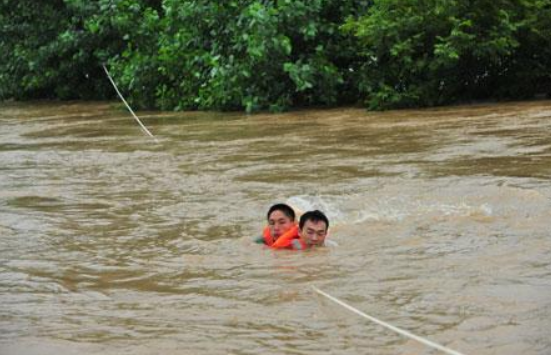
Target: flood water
{"points": [[112, 243]]}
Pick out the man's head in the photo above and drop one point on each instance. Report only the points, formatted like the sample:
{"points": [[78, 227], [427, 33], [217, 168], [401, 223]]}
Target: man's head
{"points": [[313, 227], [281, 218]]}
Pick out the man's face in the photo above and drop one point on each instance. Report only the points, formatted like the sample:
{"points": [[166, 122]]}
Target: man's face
{"points": [[279, 223], [313, 233]]}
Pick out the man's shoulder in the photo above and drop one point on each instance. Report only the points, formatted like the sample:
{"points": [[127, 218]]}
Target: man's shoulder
{"points": [[296, 244], [259, 240]]}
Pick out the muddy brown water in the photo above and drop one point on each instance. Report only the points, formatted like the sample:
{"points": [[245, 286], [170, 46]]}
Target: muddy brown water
{"points": [[111, 243]]}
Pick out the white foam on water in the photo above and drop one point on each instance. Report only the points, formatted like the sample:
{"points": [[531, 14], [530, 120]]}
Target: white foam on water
{"points": [[358, 209], [329, 205]]}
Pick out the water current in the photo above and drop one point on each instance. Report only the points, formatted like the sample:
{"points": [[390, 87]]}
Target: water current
{"points": [[112, 243]]}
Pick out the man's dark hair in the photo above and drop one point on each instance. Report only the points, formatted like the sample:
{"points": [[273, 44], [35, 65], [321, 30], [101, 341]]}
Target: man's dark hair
{"points": [[284, 208], [314, 216]]}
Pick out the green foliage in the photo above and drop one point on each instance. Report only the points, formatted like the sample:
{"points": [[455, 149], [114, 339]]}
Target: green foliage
{"points": [[54, 49], [433, 52], [23, 29], [43, 51], [181, 54], [259, 54], [128, 29], [251, 55]]}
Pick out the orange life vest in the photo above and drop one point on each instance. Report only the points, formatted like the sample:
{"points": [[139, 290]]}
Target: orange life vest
{"points": [[291, 243], [284, 240]]}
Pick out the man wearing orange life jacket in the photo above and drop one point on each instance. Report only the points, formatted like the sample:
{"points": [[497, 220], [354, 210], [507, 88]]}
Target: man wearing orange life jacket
{"points": [[281, 228], [283, 233], [313, 228]]}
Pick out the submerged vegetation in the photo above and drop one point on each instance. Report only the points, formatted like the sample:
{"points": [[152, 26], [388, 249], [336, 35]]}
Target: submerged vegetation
{"points": [[255, 55]]}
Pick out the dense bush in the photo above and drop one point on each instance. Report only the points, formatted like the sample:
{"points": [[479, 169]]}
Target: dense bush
{"points": [[275, 54], [55, 48], [246, 55], [432, 52], [45, 52]]}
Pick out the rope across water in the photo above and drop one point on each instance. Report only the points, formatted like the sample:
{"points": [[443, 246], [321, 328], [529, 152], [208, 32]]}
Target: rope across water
{"points": [[387, 325], [128, 106]]}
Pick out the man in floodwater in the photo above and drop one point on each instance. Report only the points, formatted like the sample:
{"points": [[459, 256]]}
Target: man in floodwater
{"points": [[283, 233], [281, 226], [313, 228]]}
